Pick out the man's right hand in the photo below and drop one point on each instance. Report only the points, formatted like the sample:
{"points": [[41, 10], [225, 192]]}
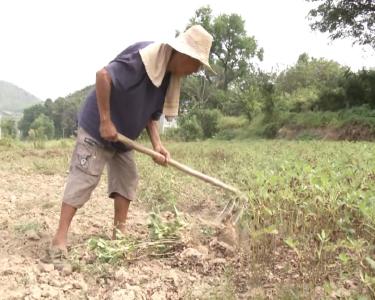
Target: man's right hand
{"points": [[108, 131]]}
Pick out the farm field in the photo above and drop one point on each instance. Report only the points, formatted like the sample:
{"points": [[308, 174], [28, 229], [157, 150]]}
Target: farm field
{"points": [[308, 231]]}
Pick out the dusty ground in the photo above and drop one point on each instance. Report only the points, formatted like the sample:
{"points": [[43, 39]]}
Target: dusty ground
{"points": [[205, 263], [199, 269]]}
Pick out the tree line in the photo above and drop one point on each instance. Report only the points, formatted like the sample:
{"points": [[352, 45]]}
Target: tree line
{"points": [[242, 89], [239, 88]]}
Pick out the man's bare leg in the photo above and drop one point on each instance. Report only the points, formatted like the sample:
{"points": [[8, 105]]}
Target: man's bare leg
{"points": [[66, 216], [121, 205]]}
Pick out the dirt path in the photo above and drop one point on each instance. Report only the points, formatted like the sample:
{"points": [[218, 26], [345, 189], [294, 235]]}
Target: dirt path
{"points": [[29, 216]]}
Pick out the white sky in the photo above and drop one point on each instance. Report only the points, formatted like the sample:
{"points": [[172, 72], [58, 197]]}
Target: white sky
{"points": [[54, 47]]}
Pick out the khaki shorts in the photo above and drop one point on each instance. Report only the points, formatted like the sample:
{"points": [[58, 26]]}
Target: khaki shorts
{"points": [[87, 164]]}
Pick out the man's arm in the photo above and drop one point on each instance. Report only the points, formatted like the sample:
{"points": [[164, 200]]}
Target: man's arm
{"points": [[103, 93], [153, 133]]}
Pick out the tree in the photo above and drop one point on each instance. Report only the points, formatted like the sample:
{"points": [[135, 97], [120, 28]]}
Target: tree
{"points": [[196, 92], [251, 93], [43, 127], [299, 86], [232, 49], [360, 88], [8, 128], [310, 72], [345, 18], [202, 16], [62, 112], [29, 115]]}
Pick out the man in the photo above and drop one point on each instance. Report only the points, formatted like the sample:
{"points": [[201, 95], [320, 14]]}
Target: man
{"points": [[130, 94]]}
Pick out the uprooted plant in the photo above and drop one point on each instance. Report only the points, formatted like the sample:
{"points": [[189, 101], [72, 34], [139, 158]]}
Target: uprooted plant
{"points": [[164, 238]]}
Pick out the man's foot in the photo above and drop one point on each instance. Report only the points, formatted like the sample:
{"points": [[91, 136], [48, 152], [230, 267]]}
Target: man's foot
{"points": [[58, 247], [56, 252], [59, 242], [55, 255], [118, 233]]}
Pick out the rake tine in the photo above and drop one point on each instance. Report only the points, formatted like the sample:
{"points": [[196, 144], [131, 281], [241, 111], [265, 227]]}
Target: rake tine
{"points": [[242, 202], [229, 213], [226, 207], [238, 215], [229, 210], [233, 206]]}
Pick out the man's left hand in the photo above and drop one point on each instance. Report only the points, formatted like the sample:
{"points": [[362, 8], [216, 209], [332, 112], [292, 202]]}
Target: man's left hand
{"points": [[163, 151]]}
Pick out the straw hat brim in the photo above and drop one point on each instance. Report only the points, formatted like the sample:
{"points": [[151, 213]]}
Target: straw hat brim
{"points": [[189, 51]]}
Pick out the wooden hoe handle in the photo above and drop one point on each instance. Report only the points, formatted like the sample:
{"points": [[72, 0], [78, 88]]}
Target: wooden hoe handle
{"points": [[186, 169]]}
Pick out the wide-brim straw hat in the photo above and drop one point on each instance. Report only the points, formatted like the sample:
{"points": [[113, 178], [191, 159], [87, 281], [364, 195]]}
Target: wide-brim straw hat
{"points": [[195, 42]]}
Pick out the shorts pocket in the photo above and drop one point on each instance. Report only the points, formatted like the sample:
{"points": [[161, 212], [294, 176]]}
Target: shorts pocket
{"points": [[88, 159]]}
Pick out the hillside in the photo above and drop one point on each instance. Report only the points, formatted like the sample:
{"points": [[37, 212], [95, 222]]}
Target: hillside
{"points": [[80, 95], [15, 99]]}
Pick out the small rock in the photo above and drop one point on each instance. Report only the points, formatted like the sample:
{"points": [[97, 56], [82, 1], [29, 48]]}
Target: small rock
{"points": [[318, 292], [67, 287], [80, 285], [279, 266], [35, 292], [123, 295], [340, 293], [203, 249], [159, 295], [32, 235], [218, 261], [7, 272], [200, 290], [256, 293], [52, 293], [46, 267], [191, 253], [55, 282], [16, 294], [173, 276], [67, 269], [349, 284], [121, 275], [222, 247], [12, 199], [43, 279], [142, 279]]}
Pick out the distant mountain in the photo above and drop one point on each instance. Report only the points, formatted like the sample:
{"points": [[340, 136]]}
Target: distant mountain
{"points": [[14, 99], [79, 96]]}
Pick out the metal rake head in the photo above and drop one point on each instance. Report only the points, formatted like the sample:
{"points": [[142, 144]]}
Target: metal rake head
{"points": [[233, 210]]}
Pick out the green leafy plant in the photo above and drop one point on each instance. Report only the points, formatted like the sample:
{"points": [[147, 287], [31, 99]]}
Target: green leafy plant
{"points": [[160, 228]]}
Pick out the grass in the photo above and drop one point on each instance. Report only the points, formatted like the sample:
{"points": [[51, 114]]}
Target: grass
{"points": [[315, 198], [24, 227], [53, 158], [310, 220]]}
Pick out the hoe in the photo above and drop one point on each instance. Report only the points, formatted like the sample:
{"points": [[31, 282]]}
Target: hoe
{"points": [[232, 211]]}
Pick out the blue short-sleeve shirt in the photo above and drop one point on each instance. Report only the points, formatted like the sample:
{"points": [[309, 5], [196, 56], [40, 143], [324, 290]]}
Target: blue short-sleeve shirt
{"points": [[134, 99]]}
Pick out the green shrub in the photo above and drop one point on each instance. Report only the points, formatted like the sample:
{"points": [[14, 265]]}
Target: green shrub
{"points": [[7, 142], [189, 128], [270, 130], [209, 121], [227, 122], [231, 127], [307, 136], [172, 134]]}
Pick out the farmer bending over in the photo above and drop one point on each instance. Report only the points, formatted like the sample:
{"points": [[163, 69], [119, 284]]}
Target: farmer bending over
{"points": [[131, 93]]}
